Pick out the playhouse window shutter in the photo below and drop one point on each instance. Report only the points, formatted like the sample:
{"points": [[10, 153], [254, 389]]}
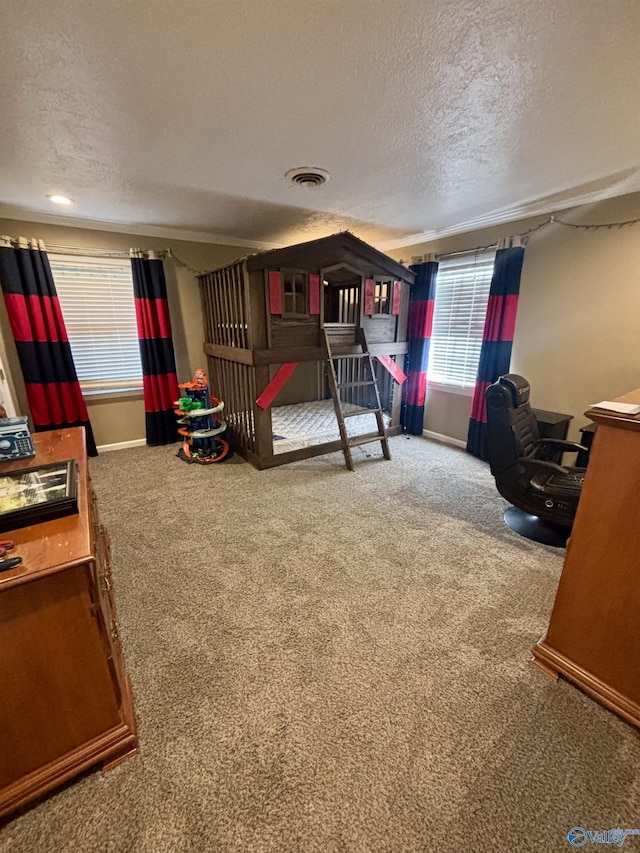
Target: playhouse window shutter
{"points": [[314, 294], [97, 303], [369, 289], [462, 294], [275, 292], [396, 297]]}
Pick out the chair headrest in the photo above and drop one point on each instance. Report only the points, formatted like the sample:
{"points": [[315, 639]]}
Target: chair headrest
{"points": [[517, 387]]}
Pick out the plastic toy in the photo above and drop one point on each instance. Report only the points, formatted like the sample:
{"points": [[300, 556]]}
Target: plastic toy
{"points": [[202, 431], [186, 404]]}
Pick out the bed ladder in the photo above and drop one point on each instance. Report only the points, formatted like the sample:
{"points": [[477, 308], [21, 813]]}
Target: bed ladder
{"points": [[342, 352]]}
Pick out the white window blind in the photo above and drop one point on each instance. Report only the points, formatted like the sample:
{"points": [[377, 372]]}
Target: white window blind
{"points": [[462, 294], [96, 299]]}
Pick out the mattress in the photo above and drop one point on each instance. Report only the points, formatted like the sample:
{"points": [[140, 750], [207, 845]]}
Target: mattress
{"points": [[307, 424]]}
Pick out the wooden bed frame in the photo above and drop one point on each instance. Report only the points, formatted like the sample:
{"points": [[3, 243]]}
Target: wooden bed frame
{"points": [[273, 308]]}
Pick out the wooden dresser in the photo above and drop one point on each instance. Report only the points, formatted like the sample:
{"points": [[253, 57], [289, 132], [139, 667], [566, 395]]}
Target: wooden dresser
{"points": [[593, 637], [65, 701]]}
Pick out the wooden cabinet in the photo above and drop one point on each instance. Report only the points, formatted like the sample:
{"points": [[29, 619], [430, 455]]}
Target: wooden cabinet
{"points": [[66, 699], [593, 637]]}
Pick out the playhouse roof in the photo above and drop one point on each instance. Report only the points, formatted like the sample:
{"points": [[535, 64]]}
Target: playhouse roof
{"points": [[343, 247]]}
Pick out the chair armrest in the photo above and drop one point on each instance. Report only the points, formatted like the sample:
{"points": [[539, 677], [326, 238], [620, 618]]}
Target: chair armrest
{"points": [[533, 465], [560, 444]]}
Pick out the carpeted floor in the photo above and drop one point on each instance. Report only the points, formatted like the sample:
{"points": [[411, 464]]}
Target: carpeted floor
{"points": [[325, 661]]}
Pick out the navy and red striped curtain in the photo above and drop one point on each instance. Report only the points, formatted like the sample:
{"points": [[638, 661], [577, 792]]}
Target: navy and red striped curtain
{"points": [[51, 382], [421, 303], [159, 378], [497, 342]]}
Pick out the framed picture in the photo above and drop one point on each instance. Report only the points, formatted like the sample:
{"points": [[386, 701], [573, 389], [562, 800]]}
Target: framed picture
{"points": [[32, 495]]}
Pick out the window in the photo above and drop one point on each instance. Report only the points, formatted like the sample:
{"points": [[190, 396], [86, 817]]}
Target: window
{"points": [[96, 298], [462, 294], [348, 302], [381, 297], [294, 293]]}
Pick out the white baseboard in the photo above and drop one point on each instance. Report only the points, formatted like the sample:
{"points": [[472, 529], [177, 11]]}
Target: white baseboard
{"points": [[444, 439], [121, 445]]}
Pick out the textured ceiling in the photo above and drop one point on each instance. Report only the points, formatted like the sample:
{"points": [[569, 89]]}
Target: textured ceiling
{"points": [[432, 116]]}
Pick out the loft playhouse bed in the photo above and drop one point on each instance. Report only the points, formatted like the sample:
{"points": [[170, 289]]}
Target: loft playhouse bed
{"points": [[306, 345]]}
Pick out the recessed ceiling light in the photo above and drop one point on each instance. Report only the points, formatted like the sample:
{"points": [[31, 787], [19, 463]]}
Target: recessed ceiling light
{"points": [[60, 199]]}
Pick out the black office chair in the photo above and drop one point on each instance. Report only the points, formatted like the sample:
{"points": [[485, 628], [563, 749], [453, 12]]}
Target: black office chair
{"points": [[527, 469]]}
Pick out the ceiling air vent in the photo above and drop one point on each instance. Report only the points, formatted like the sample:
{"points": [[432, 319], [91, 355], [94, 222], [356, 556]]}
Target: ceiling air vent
{"points": [[309, 177]]}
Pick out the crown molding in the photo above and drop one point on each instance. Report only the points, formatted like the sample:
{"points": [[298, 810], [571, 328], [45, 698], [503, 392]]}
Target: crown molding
{"points": [[540, 207], [536, 207], [8, 211]]}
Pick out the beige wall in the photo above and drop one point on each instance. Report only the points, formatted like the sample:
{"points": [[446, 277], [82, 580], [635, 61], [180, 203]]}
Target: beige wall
{"points": [[123, 419], [303, 385], [576, 337], [577, 330], [447, 413]]}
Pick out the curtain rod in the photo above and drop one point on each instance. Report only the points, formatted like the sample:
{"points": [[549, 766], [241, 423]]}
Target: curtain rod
{"points": [[86, 251], [517, 240], [161, 254], [441, 256], [94, 253]]}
